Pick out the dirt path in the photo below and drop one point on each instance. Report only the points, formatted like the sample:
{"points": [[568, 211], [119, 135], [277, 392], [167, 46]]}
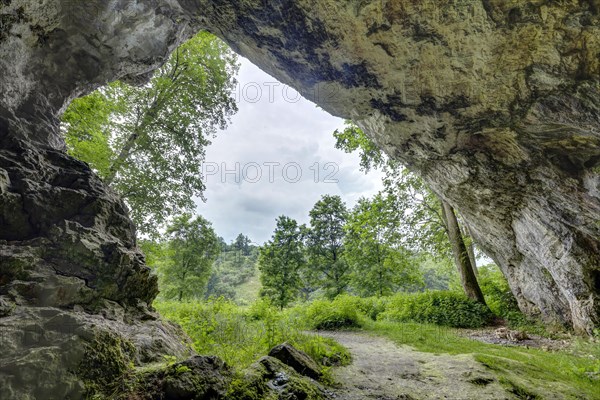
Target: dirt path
{"points": [[384, 371]]}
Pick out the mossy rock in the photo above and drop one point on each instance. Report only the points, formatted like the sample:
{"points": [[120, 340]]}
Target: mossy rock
{"points": [[270, 379], [108, 356], [197, 378]]}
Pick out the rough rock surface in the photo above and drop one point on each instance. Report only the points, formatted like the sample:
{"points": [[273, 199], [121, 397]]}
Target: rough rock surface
{"points": [[496, 103], [198, 378], [74, 290], [300, 361], [270, 379]]}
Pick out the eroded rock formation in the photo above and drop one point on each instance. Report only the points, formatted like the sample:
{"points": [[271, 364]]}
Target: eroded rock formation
{"points": [[496, 103]]}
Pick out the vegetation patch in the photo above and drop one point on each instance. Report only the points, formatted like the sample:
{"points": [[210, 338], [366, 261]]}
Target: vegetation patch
{"points": [[241, 335], [330, 315], [437, 307]]}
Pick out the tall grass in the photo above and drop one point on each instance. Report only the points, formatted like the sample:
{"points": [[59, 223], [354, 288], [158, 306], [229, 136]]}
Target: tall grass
{"points": [[241, 335]]}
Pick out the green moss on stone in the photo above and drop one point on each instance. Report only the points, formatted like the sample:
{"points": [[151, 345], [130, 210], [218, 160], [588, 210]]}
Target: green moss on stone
{"points": [[108, 357]]}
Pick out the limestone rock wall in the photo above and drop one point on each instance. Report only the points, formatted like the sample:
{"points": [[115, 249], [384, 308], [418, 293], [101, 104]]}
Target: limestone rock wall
{"points": [[74, 288], [496, 103]]}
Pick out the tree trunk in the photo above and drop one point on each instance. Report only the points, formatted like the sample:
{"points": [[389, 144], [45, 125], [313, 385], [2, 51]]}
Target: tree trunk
{"points": [[142, 123], [461, 255], [470, 247], [121, 158]]}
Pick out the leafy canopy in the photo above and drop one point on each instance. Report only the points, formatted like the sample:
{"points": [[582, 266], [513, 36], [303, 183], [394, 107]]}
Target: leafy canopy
{"points": [[380, 264], [148, 142], [419, 220]]}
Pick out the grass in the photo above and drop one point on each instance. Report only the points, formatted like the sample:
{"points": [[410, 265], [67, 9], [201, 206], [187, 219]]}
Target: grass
{"points": [[241, 335], [248, 292], [527, 373]]}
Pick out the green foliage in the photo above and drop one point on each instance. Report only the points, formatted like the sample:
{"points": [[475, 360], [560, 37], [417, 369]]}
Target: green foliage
{"points": [[148, 141], [442, 308], [189, 255], [438, 274], [437, 307], [426, 224], [241, 336], [420, 221], [335, 314], [380, 264], [498, 295], [325, 245], [353, 139], [86, 122], [280, 261], [422, 226], [243, 244], [371, 307]]}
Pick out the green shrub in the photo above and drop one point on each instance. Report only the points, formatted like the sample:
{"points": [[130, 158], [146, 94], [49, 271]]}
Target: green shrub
{"points": [[372, 306], [337, 314], [498, 295], [437, 307]]}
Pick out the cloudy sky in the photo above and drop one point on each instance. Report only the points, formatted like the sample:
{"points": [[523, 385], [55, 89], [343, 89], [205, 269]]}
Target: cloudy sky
{"points": [[276, 158]]}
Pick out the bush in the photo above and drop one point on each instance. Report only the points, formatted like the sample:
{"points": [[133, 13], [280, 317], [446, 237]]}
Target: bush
{"points": [[437, 307], [372, 306], [497, 293], [330, 315]]}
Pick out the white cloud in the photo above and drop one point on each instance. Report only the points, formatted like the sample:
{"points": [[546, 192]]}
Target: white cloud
{"points": [[294, 134]]}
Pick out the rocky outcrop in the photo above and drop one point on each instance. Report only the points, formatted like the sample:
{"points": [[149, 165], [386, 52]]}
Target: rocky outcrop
{"points": [[300, 361], [494, 102], [269, 378], [198, 378], [74, 290]]}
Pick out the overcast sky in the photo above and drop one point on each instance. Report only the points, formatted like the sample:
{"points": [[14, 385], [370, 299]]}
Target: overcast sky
{"points": [[265, 164]]}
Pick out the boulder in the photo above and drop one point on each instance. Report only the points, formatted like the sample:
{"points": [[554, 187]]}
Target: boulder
{"points": [[298, 360], [197, 378], [269, 378]]}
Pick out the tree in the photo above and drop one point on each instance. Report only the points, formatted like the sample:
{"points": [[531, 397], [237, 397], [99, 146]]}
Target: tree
{"points": [[466, 270], [192, 249], [242, 244], [430, 223], [325, 244], [380, 263], [280, 261], [148, 142]]}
